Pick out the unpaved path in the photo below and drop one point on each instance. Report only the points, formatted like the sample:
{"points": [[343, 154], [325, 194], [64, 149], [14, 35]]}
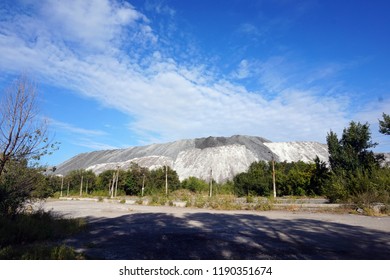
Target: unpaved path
{"points": [[120, 231]]}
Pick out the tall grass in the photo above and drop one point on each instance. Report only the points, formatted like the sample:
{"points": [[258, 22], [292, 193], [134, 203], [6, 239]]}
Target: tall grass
{"points": [[28, 236]]}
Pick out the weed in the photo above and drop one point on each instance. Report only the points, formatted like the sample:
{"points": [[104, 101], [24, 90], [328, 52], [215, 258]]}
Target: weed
{"points": [[159, 200], [139, 201], [40, 252], [200, 201], [33, 229], [224, 202]]}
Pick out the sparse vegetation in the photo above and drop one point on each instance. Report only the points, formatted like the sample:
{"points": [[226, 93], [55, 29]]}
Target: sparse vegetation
{"points": [[33, 236]]}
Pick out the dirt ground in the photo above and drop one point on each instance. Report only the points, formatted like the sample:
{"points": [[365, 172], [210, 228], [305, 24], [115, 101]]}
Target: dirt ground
{"points": [[120, 231]]}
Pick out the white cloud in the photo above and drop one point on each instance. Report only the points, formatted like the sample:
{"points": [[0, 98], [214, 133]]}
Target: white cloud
{"points": [[93, 145], [249, 30], [82, 26], [63, 126], [167, 100], [243, 70], [160, 7]]}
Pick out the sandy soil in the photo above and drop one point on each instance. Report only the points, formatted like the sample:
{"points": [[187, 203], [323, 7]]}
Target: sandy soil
{"points": [[121, 231]]}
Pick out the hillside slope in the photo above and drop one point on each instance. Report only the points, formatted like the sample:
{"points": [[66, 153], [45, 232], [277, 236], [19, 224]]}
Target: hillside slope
{"points": [[225, 156]]}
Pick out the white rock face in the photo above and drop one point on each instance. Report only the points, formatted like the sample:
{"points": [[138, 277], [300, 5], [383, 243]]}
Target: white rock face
{"points": [[225, 156], [299, 151], [224, 162], [151, 162]]}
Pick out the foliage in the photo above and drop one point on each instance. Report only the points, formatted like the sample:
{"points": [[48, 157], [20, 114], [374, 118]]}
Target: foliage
{"points": [[195, 185], [156, 182], [38, 226], [292, 178], [257, 181], [103, 180], [136, 178], [353, 174], [20, 184], [384, 125], [80, 181], [23, 139], [130, 182], [224, 188], [40, 252], [319, 178], [352, 152], [356, 173], [33, 229]]}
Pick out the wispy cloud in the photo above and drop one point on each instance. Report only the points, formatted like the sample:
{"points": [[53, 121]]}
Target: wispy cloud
{"points": [[243, 71], [111, 53], [93, 139], [93, 145], [249, 30], [160, 7], [62, 126]]}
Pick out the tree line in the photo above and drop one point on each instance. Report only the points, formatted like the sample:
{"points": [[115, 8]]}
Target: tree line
{"points": [[135, 181], [354, 172]]}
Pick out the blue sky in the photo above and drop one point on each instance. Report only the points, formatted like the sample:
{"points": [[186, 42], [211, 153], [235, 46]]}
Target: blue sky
{"points": [[114, 74]]}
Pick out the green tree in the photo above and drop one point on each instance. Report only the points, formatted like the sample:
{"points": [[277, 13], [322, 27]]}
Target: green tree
{"points": [[17, 186], [136, 177], [156, 182], [384, 125], [81, 178], [23, 139], [256, 181], [195, 185], [352, 152], [299, 176], [104, 180], [353, 164], [320, 178]]}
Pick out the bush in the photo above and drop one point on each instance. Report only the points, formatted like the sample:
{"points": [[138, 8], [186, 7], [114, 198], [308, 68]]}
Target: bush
{"points": [[19, 184], [159, 200], [360, 188], [195, 185], [336, 190]]}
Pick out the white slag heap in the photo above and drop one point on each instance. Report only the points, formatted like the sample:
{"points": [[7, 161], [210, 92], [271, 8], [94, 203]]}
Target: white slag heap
{"points": [[224, 156]]}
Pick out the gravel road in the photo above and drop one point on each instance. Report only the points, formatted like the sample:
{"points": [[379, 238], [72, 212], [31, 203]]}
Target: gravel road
{"points": [[121, 231]]}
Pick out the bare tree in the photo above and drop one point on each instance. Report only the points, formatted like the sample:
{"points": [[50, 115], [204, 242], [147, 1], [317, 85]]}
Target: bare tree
{"points": [[23, 133]]}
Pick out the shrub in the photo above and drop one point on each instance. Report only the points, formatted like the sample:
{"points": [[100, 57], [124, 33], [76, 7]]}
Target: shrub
{"points": [[195, 185], [18, 185]]}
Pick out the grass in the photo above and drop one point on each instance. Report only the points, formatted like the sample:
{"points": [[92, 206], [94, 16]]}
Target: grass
{"points": [[40, 252], [33, 236]]}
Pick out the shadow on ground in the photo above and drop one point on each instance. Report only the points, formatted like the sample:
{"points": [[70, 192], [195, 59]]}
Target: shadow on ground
{"points": [[227, 236]]}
